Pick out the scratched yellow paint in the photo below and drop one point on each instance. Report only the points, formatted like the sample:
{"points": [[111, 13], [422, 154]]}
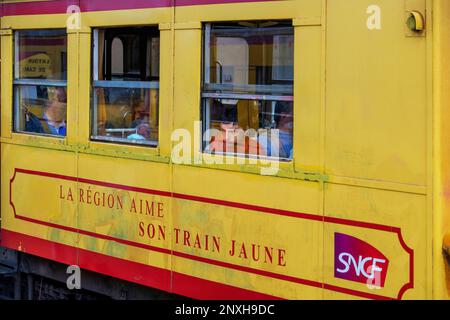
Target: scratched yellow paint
{"points": [[366, 128]]}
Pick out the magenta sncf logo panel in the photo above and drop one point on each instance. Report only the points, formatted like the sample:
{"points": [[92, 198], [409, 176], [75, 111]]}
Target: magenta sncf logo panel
{"points": [[356, 260]]}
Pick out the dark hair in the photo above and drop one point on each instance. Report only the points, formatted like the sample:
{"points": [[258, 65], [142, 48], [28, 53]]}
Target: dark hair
{"points": [[282, 107], [61, 95]]}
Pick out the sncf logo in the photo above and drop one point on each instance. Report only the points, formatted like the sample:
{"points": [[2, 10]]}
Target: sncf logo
{"points": [[358, 261]]}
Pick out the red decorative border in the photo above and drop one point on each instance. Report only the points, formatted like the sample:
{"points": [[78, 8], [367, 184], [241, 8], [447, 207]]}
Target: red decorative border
{"points": [[247, 207], [60, 6]]}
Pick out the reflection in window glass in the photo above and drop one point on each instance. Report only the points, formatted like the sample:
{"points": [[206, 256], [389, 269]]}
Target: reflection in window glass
{"points": [[40, 74], [41, 54], [126, 85], [248, 87]]}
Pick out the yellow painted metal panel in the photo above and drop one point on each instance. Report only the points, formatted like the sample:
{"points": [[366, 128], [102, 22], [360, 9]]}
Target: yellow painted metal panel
{"points": [[278, 9], [394, 210], [72, 89], [308, 98], [375, 81], [301, 239], [132, 211], [6, 87], [166, 93], [35, 21], [34, 196], [84, 89], [187, 66], [152, 16]]}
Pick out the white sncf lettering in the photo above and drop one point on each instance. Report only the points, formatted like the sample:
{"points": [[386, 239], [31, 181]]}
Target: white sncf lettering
{"points": [[348, 261]]}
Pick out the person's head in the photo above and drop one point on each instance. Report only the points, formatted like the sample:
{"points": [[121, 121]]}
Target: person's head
{"points": [[61, 95], [55, 107], [142, 108], [283, 113], [144, 130]]}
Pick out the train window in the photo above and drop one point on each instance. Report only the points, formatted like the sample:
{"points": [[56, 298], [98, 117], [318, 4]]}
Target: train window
{"points": [[248, 71], [125, 85], [40, 82]]}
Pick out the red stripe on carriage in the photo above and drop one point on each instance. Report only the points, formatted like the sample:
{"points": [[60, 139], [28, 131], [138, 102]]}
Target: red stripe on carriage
{"points": [[62, 6]]}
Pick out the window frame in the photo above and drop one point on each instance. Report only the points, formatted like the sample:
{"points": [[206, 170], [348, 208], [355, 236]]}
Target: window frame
{"points": [[207, 88], [124, 84], [17, 81]]}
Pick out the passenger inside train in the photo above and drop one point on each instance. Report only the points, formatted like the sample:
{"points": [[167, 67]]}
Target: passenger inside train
{"points": [[40, 81], [126, 85], [53, 119], [248, 87]]}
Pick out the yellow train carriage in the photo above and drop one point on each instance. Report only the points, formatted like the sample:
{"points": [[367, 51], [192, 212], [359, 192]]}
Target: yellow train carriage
{"points": [[113, 159]]}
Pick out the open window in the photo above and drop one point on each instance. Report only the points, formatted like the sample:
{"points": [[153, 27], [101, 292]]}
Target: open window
{"points": [[247, 92], [125, 85], [40, 82]]}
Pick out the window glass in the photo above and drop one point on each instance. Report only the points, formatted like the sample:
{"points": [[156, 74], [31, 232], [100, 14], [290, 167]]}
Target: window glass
{"points": [[41, 54], [126, 85], [247, 94], [40, 81], [125, 115]]}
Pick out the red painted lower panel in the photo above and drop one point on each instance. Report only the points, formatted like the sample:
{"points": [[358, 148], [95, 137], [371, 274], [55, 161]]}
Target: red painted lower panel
{"points": [[209, 290], [127, 270]]}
